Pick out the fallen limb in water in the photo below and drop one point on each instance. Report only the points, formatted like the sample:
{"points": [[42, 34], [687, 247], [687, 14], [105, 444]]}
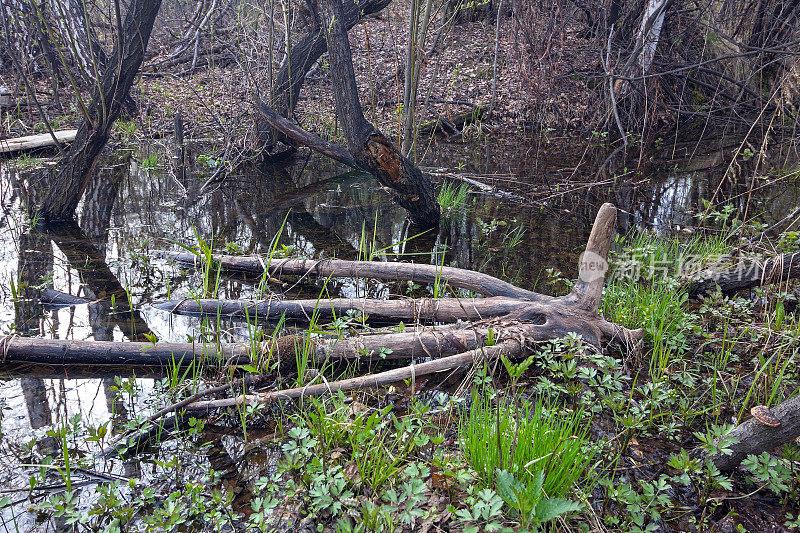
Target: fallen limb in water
{"points": [[15, 349], [416, 342], [33, 142], [748, 275], [754, 436], [509, 348], [338, 268], [132, 440], [550, 317]]}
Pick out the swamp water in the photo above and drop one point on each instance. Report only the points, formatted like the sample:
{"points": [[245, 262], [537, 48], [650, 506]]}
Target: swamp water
{"points": [[131, 212]]}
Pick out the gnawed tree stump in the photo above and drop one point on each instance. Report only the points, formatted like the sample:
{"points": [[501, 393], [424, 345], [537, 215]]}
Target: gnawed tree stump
{"points": [[367, 148]]}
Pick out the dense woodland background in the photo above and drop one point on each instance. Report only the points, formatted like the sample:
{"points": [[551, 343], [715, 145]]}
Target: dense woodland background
{"points": [[633, 72]]}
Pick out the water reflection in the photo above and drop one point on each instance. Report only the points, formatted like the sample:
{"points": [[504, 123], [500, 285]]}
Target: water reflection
{"points": [[311, 209]]}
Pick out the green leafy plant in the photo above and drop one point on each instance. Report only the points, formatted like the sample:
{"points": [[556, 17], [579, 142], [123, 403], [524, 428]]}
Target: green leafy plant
{"points": [[532, 505]]}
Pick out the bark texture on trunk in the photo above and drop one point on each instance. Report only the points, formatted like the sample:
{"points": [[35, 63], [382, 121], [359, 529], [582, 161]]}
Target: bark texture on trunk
{"points": [[754, 437], [369, 147], [75, 31], [748, 275], [302, 57], [118, 76], [67, 352]]}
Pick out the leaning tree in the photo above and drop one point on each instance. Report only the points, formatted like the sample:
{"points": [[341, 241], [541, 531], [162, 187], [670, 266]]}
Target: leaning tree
{"points": [[367, 148], [108, 99]]}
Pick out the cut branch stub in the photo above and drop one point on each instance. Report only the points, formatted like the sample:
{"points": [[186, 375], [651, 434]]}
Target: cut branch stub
{"points": [[593, 264]]}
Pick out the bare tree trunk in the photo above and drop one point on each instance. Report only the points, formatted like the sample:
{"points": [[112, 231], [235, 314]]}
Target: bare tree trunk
{"points": [[301, 58], [369, 147], [21, 27], [650, 31], [118, 76], [75, 31]]}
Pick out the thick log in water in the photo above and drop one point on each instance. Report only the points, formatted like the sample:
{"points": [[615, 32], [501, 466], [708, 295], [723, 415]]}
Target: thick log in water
{"points": [[748, 275], [424, 310], [755, 437], [388, 271], [15, 349], [417, 342]]}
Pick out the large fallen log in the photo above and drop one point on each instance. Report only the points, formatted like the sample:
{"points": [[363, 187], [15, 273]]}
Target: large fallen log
{"points": [[15, 349], [747, 275], [338, 268], [413, 343], [33, 142], [549, 317], [425, 310], [755, 436]]}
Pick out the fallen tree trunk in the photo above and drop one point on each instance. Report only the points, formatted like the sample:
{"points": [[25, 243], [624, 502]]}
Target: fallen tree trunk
{"points": [[509, 348], [452, 124], [384, 311], [421, 342], [53, 299], [747, 275], [548, 317], [33, 142], [412, 344], [755, 437], [14, 349], [390, 271]]}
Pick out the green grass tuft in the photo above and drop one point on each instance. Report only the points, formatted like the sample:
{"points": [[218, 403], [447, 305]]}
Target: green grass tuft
{"points": [[524, 440]]}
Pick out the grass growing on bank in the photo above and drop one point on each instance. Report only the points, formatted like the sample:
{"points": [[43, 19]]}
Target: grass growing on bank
{"points": [[645, 289]]}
